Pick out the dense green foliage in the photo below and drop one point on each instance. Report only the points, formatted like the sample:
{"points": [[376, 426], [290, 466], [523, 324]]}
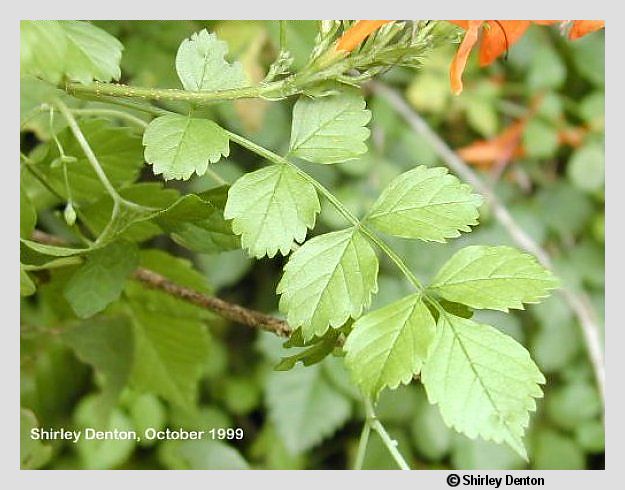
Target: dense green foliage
{"points": [[395, 277]]}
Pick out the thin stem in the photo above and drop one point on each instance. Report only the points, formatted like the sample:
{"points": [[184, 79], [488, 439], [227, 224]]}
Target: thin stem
{"points": [[84, 144], [390, 443], [111, 113], [362, 445], [338, 205], [99, 89]]}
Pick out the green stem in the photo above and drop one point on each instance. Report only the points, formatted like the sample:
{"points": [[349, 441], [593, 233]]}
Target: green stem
{"points": [[99, 89], [338, 205], [362, 446], [84, 144], [111, 113], [390, 443]]}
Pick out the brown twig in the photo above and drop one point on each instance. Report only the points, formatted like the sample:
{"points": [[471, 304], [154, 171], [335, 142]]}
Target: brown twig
{"points": [[577, 300], [225, 309], [229, 311]]}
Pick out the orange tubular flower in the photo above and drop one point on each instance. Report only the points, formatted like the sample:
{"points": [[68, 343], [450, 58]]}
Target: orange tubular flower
{"points": [[582, 27], [356, 34], [497, 37]]}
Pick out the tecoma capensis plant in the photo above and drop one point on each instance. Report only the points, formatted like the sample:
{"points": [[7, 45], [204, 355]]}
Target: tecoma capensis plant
{"points": [[483, 381]]}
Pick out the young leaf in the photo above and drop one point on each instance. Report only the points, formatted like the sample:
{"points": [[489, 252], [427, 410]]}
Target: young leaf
{"points": [[171, 345], [330, 129], [271, 209], [77, 50], [388, 346], [197, 222], [201, 65], [177, 146], [101, 280], [425, 203], [304, 406], [496, 278], [328, 280], [106, 344], [483, 381]]}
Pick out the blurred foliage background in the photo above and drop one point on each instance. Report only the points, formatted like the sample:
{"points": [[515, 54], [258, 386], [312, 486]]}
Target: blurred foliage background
{"points": [[533, 126]]}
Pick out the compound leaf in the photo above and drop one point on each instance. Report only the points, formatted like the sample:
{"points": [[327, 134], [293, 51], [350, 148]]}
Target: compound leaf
{"points": [[177, 146], [425, 203], [483, 381], [201, 65], [388, 346], [101, 280], [496, 278], [328, 280], [304, 406], [272, 208], [330, 129]]}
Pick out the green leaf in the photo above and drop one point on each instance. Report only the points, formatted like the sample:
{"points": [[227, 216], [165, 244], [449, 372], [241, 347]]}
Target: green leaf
{"points": [[79, 51], [102, 454], [496, 278], [53, 250], [107, 345], [330, 129], [201, 65], [271, 209], [388, 346], [33, 453], [118, 150], [197, 222], [425, 203], [540, 139], [148, 194], [483, 381], [101, 280], [171, 345], [554, 451], [177, 146], [201, 455], [317, 352], [430, 435], [43, 47], [27, 286], [572, 404], [328, 280], [176, 269], [91, 53], [304, 407], [586, 168]]}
